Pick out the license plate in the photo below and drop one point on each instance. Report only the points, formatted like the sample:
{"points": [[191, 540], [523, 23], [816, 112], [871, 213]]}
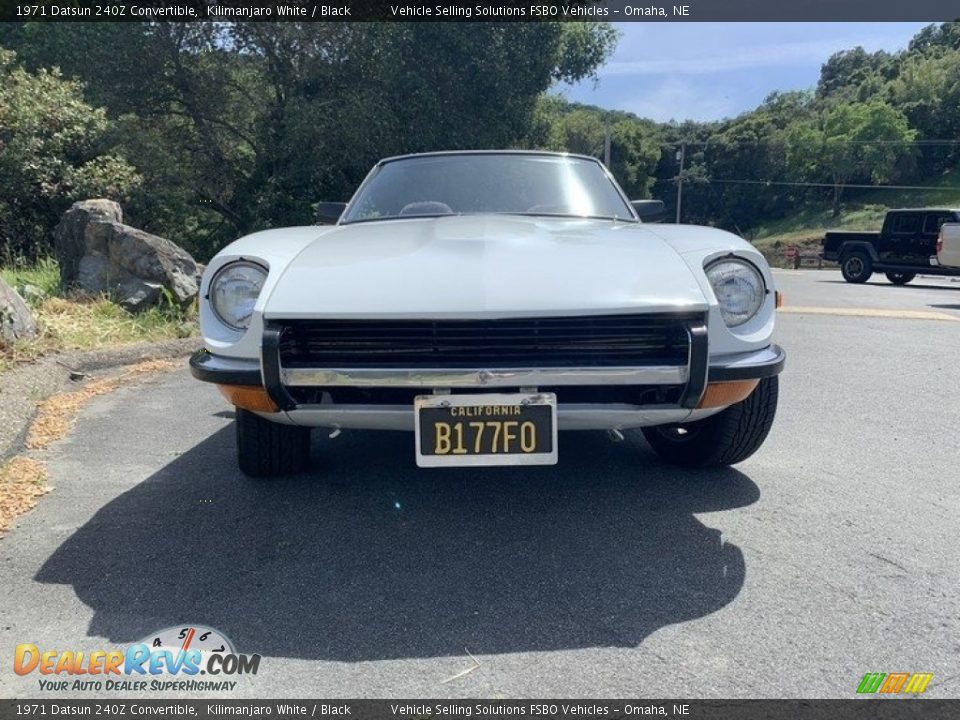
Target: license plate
{"points": [[487, 429]]}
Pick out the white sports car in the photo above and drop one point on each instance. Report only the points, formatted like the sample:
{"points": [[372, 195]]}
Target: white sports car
{"points": [[484, 301]]}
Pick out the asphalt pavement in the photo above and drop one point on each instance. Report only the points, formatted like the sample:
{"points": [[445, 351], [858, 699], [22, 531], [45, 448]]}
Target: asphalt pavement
{"points": [[831, 553]]}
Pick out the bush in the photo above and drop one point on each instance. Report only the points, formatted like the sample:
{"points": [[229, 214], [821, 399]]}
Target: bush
{"points": [[51, 153]]}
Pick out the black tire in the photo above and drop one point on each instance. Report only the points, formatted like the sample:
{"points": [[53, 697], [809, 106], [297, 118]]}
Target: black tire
{"points": [[267, 449], [856, 267], [900, 278], [729, 437]]}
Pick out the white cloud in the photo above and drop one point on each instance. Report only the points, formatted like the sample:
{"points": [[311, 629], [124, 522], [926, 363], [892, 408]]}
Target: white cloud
{"points": [[706, 48], [678, 99], [741, 58], [707, 71]]}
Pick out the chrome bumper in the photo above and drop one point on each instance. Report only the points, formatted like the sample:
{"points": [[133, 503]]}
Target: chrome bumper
{"points": [[569, 417], [700, 370], [474, 378]]}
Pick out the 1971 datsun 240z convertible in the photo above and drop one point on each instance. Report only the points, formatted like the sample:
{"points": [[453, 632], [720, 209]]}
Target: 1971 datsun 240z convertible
{"points": [[484, 301]]}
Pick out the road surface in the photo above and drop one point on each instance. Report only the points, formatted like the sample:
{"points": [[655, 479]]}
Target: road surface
{"points": [[831, 553]]}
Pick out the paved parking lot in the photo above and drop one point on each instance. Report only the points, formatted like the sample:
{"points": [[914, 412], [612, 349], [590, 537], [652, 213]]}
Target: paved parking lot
{"points": [[825, 289], [831, 553]]}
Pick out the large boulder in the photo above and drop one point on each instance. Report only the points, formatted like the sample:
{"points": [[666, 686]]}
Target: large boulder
{"points": [[16, 320], [99, 254], [71, 239]]}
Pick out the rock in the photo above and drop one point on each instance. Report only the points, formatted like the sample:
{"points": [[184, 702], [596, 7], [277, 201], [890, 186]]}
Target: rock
{"points": [[98, 254], [70, 236], [93, 274], [16, 320], [31, 293], [154, 259], [135, 294]]}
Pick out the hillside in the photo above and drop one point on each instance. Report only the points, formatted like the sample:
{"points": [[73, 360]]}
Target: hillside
{"points": [[805, 228]]}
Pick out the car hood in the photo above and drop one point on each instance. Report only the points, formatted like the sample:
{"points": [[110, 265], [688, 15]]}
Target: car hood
{"points": [[484, 266]]}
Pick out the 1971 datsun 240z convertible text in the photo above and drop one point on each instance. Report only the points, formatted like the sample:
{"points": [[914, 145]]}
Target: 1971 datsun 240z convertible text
{"points": [[484, 301]]}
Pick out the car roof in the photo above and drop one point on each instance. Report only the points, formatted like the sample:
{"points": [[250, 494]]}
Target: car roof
{"points": [[442, 153]]}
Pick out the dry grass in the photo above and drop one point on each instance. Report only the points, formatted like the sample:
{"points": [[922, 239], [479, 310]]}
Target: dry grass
{"points": [[74, 321], [22, 481], [84, 323]]}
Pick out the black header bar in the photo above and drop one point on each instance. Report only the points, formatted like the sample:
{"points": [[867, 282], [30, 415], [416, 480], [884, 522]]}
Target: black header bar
{"points": [[119, 708], [480, 11]]}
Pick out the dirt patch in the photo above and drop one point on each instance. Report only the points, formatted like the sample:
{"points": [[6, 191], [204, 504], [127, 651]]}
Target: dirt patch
{"points": [[23, 480]]}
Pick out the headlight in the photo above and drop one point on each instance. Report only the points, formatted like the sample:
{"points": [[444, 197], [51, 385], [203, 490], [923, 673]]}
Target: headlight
{"points": [[739, 288], [234, 291]]}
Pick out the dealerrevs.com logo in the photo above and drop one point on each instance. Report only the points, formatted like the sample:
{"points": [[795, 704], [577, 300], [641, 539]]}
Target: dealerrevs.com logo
{"points": [[170, 660]]}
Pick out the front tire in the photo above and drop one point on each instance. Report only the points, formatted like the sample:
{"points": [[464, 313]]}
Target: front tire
{"points": [[268, 449], [857, 267], [729, 437], [900, 278]]}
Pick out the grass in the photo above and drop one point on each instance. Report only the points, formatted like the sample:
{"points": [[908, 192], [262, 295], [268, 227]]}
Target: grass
{"points": [[74, 321], [44, 275]]}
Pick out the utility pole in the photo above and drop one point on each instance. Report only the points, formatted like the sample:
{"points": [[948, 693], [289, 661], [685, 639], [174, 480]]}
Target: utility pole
{"points": [[681, 155]]}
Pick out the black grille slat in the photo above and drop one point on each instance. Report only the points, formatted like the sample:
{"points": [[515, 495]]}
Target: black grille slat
{"points": [[598, 341]]}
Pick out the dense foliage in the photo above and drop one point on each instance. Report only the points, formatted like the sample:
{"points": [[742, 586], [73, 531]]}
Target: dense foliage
{"points": [[53, 149], [874, 119], [209, 131], [236, 127]]}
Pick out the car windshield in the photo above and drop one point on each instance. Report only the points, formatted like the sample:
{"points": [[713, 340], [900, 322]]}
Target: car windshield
{"points": [[516, 184]]}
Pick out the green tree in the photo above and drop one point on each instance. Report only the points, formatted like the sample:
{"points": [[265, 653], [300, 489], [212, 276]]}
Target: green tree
{"points": [[53, 151], [580, 131], [927, 91], [634, 143], [240, 126], [634, 153], [855, 142], [936, 39], [846, 72], [746, 159]]}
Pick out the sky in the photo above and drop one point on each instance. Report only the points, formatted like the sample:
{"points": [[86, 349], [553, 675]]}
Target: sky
{"points": [[709, 71]]}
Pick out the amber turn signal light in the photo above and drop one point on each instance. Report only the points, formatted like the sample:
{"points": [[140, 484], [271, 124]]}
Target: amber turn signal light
{"points": [[248, 397], [720, 394], [778, 296]]}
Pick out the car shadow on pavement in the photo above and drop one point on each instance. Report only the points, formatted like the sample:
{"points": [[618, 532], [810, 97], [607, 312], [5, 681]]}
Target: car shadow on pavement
{"points": [[369, 558]]}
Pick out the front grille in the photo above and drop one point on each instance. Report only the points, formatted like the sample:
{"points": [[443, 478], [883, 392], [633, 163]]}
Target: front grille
{"points": [[593, 341]]}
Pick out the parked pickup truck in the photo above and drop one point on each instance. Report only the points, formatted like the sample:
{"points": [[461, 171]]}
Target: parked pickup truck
{"points": [[948, 246], [906, 246]]}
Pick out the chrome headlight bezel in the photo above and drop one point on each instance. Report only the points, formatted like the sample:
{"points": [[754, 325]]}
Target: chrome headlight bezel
{"points": [[238, 317], [729, 275]]}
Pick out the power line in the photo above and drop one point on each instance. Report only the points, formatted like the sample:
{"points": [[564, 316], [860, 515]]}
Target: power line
{"points": [[829, 185], [715, 142]]}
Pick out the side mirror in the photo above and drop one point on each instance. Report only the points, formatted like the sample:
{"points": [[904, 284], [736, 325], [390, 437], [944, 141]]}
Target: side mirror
{"points": [[329, 212], [649, 211]]}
